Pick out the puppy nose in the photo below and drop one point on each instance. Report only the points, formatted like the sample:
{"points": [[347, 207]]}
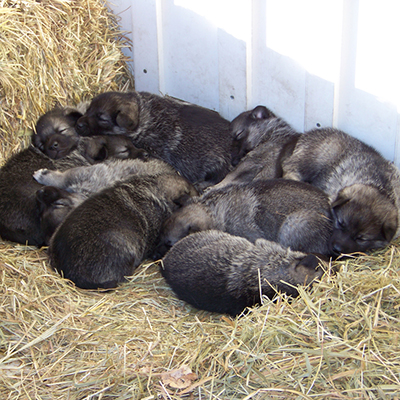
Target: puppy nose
{"points": [[54, 146], [82, 126], [337, 249]]}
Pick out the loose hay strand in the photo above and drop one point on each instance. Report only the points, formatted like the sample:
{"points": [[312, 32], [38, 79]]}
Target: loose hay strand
{"points": [[339, 339]]}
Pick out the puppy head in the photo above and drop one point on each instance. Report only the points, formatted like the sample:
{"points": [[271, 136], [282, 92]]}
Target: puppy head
{"points": [[363, 219], [54, 205], [110, 113], [245, 130], [55, 133], [176, 189], [183, 222]]}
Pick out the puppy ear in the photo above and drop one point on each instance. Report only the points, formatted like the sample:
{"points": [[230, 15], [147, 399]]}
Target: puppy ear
{"points": [[340, 200], [128, 116], [261, 112], [308, 268], [48, 195], [72, 115]]}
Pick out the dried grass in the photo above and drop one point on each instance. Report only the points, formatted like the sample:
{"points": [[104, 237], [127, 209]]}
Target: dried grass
{"points": [[338, 341], [54, 53]]}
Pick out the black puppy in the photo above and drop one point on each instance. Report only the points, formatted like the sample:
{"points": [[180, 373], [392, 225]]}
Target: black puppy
{"points": [[194, 140], [218, 272]]}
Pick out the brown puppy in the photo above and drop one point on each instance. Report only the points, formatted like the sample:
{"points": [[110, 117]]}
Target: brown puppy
{"points": [[194, 140], [218, 272], [55, 133], [107, 236], [363, 187]]}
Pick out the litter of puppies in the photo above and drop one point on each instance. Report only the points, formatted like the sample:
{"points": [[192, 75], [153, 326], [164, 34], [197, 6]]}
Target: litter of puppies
{"points": [[321, 193], [337, 339]]}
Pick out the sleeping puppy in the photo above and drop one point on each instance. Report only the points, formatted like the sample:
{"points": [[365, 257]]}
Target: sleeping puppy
{"points": [[65, 190], [294, 214], [261, 140], [218, 272], [55, 133], [196, 141], [105, 147], [106, 237], [363, 187], [19, 208]]}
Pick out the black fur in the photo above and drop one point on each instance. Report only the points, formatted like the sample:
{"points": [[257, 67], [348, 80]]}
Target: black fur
{"points": [[19, 208], [194, 140], [218, 272]]}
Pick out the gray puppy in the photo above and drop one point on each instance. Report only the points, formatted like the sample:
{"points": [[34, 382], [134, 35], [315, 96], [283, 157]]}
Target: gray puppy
{"points": [[107, 236], [194, 140], [218, 272], [19, 209], [363, 187], [295, 214], [65, 190], [261, 140]]}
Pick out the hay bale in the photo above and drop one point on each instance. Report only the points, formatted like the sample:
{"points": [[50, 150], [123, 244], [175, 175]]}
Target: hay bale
{"points": [[54, 53], [338, 341]]}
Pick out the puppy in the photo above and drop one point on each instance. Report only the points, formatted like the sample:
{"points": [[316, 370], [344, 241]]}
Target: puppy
{"points": [[55, 133], [54, 205], [194, 140], [64, 191], [19, 208], [218, 272], [105, 147], [107, 236], [363, 187], [260, 141], [294, 214]]}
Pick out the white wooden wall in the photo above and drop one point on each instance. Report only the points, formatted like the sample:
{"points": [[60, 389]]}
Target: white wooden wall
{"points": [[313, 62]]}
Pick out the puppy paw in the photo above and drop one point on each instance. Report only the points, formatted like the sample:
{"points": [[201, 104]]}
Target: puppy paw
{"points": [[47, 177]]}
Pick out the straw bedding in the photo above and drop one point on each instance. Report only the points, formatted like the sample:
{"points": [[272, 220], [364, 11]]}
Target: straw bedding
{"points": [[339, 340]]}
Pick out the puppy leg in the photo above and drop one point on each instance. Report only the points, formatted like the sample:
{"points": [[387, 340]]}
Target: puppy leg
{"points": [[50, 178]]}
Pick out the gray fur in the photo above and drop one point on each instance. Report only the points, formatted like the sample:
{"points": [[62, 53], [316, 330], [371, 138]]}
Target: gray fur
{"points": [[106, 237], [19, 208], [260, 141], [294, 214], [65, 190], [218, 272], [194, 140], [363, 187]]}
